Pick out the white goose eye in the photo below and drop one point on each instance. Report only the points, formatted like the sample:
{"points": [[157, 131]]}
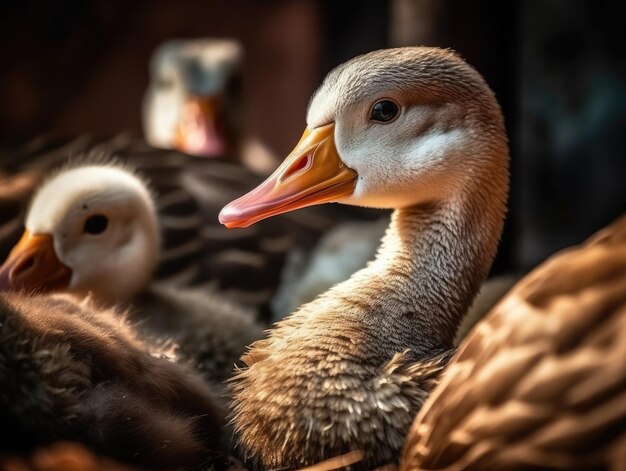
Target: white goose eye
{"points": [[95, 224], [384, 111]]}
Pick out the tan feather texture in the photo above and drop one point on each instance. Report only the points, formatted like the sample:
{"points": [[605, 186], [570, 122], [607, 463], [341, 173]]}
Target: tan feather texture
{"points": [[541, 382]]}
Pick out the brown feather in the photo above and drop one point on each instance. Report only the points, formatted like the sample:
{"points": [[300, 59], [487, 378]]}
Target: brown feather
{"points": [[540, 383], [73, 371]]}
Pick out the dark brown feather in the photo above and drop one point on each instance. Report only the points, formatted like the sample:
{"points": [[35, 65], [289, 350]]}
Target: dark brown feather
{"points": [[72, 371]]}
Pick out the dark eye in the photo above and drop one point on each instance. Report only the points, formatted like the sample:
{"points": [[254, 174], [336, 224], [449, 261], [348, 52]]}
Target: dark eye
{"points": [[384, 111], [96, 224]]}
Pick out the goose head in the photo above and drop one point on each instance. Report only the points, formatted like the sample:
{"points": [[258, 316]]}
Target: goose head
{"points": [[193, 101], [389, 129], [91, 228]]}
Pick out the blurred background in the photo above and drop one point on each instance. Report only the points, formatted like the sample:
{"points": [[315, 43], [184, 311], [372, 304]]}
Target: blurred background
{"points": [[557, 67]]}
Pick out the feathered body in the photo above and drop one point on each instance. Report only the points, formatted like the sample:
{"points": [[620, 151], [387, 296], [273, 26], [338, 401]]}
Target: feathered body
{"points": [[208, 332]]}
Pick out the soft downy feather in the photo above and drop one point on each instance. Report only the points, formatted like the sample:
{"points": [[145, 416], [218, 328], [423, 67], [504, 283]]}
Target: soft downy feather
{"points": [[73, 371]]}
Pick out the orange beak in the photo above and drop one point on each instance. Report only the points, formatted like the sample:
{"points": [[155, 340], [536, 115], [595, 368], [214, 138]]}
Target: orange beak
{"points": [[198, 130], [312, 174], [33, 265]]}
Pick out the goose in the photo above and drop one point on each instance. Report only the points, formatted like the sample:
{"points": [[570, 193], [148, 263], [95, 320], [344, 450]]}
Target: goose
{"points": [[419, 131], [72, 370], [92, 229], [194, 102], [540, 383]]}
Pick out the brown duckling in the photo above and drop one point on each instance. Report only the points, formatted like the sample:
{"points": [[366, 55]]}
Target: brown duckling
{"points": [[540, 383], [418, 130]]}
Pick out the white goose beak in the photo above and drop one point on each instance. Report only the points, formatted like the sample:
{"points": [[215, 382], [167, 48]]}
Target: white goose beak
{"points": [[313, 173]]}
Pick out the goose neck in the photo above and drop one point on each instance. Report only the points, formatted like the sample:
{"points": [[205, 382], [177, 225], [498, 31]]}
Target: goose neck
{"points": [[432, 261]]}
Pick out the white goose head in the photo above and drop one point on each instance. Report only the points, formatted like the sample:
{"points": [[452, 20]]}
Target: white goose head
{"points": [[91, 228], [193, 101], [391, 129]]}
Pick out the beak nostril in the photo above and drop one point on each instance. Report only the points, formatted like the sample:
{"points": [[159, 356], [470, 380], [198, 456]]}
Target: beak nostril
{"points": [[299, 165], [23, 266]]}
